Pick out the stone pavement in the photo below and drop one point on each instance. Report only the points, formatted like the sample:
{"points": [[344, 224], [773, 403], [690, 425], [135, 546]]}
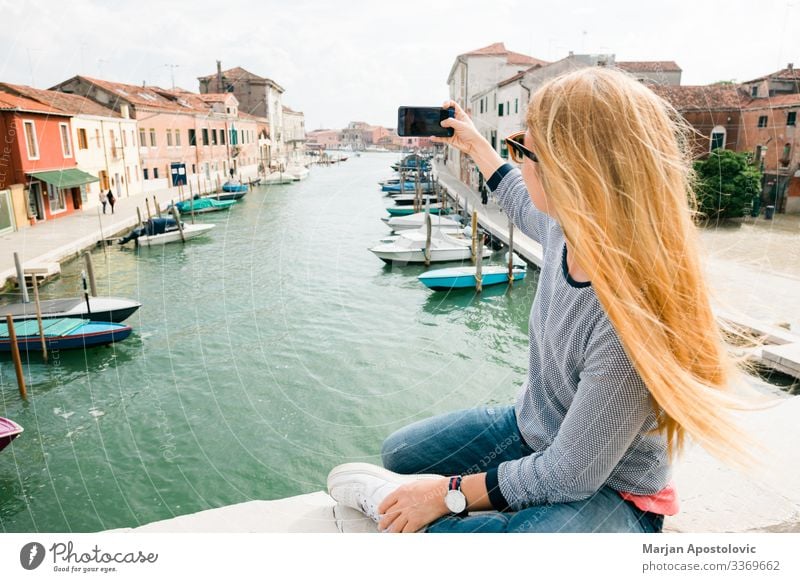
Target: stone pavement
{"points": [[55, 240]]}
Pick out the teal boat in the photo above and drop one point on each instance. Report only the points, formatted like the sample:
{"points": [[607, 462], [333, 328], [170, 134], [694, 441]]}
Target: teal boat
{"points": [[407, 210], [203, 205]]}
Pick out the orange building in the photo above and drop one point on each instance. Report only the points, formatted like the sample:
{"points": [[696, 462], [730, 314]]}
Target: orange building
{"points": [[37, 162]]}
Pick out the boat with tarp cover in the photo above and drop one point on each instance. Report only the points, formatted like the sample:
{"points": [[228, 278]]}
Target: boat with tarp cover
{"points": [[63, 334]]}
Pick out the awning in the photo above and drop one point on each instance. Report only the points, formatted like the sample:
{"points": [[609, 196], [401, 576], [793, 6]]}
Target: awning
{"points": [[65, 178]]}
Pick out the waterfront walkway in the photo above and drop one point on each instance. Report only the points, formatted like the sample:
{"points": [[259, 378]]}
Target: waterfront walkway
{"points": [[60, 239]]}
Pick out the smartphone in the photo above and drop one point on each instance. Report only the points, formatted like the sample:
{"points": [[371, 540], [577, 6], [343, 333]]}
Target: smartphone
{"points": [[423, 121]]}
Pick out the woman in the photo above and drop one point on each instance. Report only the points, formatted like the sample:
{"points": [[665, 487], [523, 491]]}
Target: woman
{"points": [[625, 356]]}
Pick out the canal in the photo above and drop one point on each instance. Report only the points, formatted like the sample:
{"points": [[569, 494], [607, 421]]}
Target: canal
{"points": [[263, 355]]}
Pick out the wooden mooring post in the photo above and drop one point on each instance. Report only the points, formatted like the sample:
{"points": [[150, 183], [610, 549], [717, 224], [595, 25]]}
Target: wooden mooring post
{"points": [[139, 215], [90, 271], [479, 266], [39, 317], [157, 207], [23, 284], [510, 253], [147, 205], [474, 236], [178, 220], [428, 229], [12, 336]]}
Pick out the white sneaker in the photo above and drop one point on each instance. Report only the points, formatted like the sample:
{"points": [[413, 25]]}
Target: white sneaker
{"points": [[363, 486]]}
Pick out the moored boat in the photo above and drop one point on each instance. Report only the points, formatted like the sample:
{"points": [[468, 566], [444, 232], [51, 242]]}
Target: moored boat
{"points": [[409, 247], [62, 334], [408, 210], [159, 231], [107, 309], [417, 221], [464, 277], [9, 430], [234, 187], [203, 205]]}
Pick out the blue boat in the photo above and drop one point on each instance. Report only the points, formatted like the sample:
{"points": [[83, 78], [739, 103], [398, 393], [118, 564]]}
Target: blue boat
{"points": [[407, 187], [464, 277], [234, 187], [406, 210], [63, 334]]}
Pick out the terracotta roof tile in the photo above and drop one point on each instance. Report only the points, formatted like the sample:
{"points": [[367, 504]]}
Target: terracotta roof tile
{"points": [[499, 49], [649, 66], [12, 102], [139, 96], [786, 74], [792, 99], [67, 102], [703, 97]]}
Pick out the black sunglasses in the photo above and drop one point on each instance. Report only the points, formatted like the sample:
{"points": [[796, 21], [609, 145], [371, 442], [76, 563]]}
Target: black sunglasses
{"points": [[516, 150]]}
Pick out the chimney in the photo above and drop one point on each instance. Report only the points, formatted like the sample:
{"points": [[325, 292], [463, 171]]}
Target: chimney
{"points": [[124, 111], [790, 66], [219, 78]]}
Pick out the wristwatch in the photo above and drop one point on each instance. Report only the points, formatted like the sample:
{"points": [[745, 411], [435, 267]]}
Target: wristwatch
{"points": [[455, 500]]}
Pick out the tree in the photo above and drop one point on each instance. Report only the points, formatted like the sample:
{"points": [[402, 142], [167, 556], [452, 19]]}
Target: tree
{"points": [[727, 182]]}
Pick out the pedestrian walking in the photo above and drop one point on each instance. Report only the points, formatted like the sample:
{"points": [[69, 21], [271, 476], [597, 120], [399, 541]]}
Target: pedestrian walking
{"points": [[111, 201], [103, 201]]}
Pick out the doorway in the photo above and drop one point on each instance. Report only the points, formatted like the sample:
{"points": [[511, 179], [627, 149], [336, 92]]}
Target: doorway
{"points": [[35, 205]]}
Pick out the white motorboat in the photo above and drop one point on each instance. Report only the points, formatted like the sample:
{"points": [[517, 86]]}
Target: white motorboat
{"points": [[297, 172], [278, 178], [190, 231], [409, 247], [417, 221]]}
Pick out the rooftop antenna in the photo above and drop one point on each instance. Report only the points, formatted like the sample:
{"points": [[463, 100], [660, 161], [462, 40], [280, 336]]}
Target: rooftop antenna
{"points": [[172, 73]]}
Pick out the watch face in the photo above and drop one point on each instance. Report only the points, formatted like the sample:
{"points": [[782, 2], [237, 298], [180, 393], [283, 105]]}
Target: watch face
{"points": [[455, 501]]}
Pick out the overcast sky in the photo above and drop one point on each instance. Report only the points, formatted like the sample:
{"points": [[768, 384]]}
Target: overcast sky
{"points": [[358, 60]]}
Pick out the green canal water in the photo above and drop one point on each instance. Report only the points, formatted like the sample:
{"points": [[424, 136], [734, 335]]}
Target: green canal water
{"points": [[263, 355]]}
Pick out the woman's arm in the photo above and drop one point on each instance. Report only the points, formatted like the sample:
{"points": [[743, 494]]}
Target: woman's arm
{"points": [[502, 178]]}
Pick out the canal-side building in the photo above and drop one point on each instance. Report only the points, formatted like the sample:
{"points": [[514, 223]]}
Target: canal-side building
{"points": [[330, 139], [258, 96], [39, 178], [653, 72], [475, 72], [104, 142], [294, 136], [769, 127]]}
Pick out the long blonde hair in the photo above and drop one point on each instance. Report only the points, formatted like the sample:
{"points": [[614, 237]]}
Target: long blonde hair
{"points": [[615, 164]]}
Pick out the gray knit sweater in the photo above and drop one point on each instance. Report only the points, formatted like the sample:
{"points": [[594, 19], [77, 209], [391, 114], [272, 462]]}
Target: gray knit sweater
{"points": [[584, 409]]}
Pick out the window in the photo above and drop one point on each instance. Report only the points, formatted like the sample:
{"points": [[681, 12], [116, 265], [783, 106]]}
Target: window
{"points": [[241, 136], [508, 108], [142, 140], [786, 157], [152, 137], [717, 138], [144, 174], [213, 137], [192, 137], [55, 197], [178, 137], [194, 169], [754, 91], [97, 137], [762, 121], [155, 173], [124, 139], [500, 110], [83, 143], [759, 153], [791, 118], [222, 136], [30, 140], [169, 138], [481, 107], [516, 105], [205, 136], [66, 146], [128, 173]]}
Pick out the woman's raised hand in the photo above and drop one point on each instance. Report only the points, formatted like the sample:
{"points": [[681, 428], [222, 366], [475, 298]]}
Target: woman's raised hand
{"points": [[466, 138]]}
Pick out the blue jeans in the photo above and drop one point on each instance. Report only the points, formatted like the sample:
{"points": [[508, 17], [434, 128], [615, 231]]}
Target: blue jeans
{"points": [[473, 440]]}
